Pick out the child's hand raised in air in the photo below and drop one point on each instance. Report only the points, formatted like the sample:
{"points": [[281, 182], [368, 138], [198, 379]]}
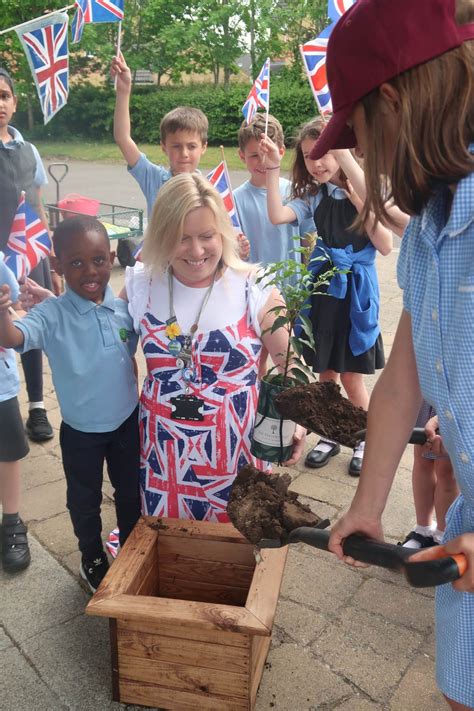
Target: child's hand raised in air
{"points": [[353, 196], [269, 152], [120, 71]]}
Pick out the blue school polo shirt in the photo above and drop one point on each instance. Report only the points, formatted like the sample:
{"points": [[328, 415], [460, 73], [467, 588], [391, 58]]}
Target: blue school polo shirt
{"points": [[151, 178], [89, 348], [9, 380], [268, 243]]}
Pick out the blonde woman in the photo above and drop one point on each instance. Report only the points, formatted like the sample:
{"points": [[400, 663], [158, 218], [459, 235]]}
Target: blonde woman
{"points": [[201, 316]]}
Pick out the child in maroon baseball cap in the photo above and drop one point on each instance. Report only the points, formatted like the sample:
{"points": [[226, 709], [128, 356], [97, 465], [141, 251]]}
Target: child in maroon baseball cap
{"points": [[401, 76]]}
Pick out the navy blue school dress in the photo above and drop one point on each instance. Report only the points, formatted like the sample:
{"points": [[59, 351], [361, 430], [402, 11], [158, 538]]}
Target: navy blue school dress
{"points": [[345, 319]]}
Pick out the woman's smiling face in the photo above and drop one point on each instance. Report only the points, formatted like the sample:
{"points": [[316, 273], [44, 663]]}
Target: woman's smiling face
{"points": [[199, 250]]}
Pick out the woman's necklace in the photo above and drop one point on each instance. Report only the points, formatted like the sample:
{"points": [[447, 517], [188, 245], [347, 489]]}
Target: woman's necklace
{"points": [[183, 351]]}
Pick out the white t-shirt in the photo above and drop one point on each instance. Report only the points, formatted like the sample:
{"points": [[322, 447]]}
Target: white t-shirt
{"points": [[225, 307]]}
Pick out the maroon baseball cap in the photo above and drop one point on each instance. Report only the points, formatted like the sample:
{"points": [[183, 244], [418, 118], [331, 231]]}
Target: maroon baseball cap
{"points": [[373, 42]]}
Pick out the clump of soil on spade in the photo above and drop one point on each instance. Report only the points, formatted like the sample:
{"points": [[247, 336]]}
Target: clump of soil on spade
{"points": [[260, 505], [321, 408]]}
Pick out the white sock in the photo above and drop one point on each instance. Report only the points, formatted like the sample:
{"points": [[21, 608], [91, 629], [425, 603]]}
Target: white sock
{"points": [[36, 405], [324, 445], [359, 450], [423, 531], [438, 535]]}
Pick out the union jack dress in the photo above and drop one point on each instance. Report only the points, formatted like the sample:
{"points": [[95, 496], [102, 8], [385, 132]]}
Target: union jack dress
{"points": [[187, 467]]}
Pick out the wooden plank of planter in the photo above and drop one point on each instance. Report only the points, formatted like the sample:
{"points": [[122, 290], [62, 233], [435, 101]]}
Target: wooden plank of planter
{"points": [[179, 589], [258, 655], [185, 568], [150, 582], [137, 643], [204, 530], [150, 695], [184, 677], [218, 637], [225, 552], [185, 613], [265, 588], [128, 577]]}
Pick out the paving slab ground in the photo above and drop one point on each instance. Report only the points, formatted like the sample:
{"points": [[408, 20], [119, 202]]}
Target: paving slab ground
{"points": [[353, 640]]}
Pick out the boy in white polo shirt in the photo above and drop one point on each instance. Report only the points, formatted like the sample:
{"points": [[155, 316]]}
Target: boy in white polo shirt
{"points": [[88, 337]]}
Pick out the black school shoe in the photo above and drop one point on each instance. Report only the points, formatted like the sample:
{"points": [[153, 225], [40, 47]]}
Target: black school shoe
{"points": [[315, 459], [94, 571], [37, 426], [355, 465], [424, 541], [14, 546]]}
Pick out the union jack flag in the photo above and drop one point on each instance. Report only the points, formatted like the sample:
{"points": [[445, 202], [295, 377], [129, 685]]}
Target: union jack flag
{"points": [[28, 242], [259, 96], [314, 60], [45, 45], [219, 177], [95, 11], [336, 8], [113, 543]]}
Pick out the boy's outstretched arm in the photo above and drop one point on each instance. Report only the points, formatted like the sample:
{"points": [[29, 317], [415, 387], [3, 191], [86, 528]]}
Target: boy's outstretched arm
{"points": [[122, 128], [10, 336], [278, 213]]}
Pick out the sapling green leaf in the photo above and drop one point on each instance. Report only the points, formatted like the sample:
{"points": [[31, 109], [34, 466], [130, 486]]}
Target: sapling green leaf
{"points": [[298, 281]]}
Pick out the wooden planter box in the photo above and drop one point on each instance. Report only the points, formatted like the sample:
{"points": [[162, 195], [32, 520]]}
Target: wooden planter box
{"points": [[191, 615]]}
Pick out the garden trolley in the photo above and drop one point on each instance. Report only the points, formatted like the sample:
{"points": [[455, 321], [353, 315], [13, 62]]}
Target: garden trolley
{"points": [[124, 224]]}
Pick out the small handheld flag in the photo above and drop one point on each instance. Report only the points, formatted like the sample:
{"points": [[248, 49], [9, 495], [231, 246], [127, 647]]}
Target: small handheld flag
{"points": [[259, 96], [90, 11], [45, 44], [113, 543], [313, 54], [28, 242], [219, 177]]}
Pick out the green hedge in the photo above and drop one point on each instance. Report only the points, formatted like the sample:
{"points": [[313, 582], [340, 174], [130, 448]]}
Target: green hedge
{"points": [[89, 112]]}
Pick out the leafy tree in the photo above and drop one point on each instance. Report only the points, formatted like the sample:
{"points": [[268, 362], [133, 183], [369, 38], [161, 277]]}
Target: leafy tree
{"points": [[217, 37]]}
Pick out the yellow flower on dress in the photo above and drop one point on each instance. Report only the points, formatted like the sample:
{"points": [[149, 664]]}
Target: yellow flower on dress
{"points": [[172, 330]]}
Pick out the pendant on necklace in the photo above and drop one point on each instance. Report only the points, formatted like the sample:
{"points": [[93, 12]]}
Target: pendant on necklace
{"points": [[174, 347]]}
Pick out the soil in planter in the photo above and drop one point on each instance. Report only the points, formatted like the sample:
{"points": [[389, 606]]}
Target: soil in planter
{"points": [[260, 505], [321, 408]]}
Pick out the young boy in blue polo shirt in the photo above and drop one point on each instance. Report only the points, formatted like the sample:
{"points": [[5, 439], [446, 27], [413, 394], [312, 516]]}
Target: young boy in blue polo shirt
{"points": [[88, 337], [268, 243]]}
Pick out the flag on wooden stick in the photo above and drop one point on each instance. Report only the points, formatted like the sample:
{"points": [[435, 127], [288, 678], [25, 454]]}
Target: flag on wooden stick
{"points": [[28, 242], [259, 96], [219, 177]]}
